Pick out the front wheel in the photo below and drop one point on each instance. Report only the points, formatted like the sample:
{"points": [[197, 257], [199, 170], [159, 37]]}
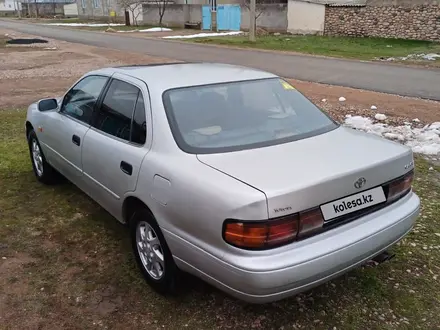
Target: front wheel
{"points": [[152, 253], [42, 170]]}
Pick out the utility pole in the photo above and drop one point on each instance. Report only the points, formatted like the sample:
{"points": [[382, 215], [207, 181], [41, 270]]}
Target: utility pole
{"points": [[252, 27]]}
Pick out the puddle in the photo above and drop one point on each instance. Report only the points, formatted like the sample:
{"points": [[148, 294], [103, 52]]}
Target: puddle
{"points": [[26, 41]]}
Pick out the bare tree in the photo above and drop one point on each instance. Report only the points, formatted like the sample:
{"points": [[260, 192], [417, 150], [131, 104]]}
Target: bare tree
{"points": [[135, 9], [161, 7], [132, 6], [36, 9], [259, 8]]}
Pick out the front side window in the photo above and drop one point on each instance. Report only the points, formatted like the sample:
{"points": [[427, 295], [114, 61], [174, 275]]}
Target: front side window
{"points": [[241, 115], [116, 112], [80, 101], [96, 3]]}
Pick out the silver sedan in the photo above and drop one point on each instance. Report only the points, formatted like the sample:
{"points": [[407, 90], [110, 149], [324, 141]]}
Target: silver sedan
{"points": [[227, 173]]}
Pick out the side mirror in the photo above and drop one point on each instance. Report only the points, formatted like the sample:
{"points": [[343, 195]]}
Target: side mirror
{"points": [[47, 104]]}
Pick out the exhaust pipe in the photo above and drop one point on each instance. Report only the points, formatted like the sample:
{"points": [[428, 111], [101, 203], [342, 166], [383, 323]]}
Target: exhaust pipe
{"points": [[384, 256]]}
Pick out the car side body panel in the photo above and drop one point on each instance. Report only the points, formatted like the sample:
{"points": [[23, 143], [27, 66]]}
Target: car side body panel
{"points": [[198, 198], [58, 138], [104, 157]]}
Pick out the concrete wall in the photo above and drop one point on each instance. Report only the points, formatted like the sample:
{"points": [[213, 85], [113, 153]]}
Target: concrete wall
{"points": [[175, 14], [47, 9], [102, 12], [386, 18], [71, 10], [273, 17], [305, 17]]}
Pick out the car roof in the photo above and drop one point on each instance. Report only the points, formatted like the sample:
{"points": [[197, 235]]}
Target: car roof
{"points": [[173, 75]]}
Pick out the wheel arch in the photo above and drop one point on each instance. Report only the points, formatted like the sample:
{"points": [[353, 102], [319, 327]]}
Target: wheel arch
{"points": [[29, 127], [130, 205]]}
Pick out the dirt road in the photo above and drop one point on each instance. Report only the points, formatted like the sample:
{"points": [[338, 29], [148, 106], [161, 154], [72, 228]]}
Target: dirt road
{"points": [[416, 82], [31, 73]]}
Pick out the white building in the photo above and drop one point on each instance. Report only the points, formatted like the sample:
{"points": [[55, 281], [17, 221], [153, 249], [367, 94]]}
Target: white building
{"points": [[9, 7]]}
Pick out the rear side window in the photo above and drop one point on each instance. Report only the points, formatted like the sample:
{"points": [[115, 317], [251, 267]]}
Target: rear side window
{"points": [[122, 113], [139, 127]]}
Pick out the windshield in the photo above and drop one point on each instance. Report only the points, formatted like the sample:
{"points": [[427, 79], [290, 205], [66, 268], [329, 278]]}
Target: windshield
{"points": [[241, 115]]}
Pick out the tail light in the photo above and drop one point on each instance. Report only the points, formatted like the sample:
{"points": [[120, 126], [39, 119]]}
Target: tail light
{"points": [[310, 222], [260, 235], [272, 233], [400, 186]]}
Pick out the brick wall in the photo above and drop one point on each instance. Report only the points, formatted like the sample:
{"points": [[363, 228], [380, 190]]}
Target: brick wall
{"points": [[406, 19]]}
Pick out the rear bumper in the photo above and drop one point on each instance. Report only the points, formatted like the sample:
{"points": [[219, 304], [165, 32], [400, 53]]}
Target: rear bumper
{"points": [[260, 277]]}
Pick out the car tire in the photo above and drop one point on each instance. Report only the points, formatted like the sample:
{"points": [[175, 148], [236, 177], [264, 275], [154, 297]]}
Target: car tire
{"points": [[42, 169], [151, 252]]}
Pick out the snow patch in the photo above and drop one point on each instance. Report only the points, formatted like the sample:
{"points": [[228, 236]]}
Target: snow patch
{"points": [[204, 35], [323, 100], [413, 57], [431, 57], [380, 116], [154, 29], [424, 140], [373, 107], [435, 125], [342, 99], [84, 24]]}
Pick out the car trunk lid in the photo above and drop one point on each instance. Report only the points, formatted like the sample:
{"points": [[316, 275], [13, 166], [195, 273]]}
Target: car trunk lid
{"points": [[311, 172]]}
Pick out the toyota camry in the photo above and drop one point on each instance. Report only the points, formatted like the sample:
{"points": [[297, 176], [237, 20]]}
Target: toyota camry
{"points": [[225, 172]]}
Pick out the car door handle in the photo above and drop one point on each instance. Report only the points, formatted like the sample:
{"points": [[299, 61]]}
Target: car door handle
{"points": [[76, 140], [126, 168]]}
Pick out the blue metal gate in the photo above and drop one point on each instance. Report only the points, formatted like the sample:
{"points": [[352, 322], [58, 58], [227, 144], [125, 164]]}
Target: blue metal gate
{"points": [[228, 17], [206, 17]]}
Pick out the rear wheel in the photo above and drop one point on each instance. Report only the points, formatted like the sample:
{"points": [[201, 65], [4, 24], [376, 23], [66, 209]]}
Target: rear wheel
{"points": [[42, 170], [152, 253]]}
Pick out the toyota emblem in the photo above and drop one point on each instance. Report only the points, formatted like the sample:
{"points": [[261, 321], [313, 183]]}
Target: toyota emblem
{"points": [[360, 183]]}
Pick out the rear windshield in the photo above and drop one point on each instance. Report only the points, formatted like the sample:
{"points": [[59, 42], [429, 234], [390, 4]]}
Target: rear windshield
{"points": [[241, 115]]}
